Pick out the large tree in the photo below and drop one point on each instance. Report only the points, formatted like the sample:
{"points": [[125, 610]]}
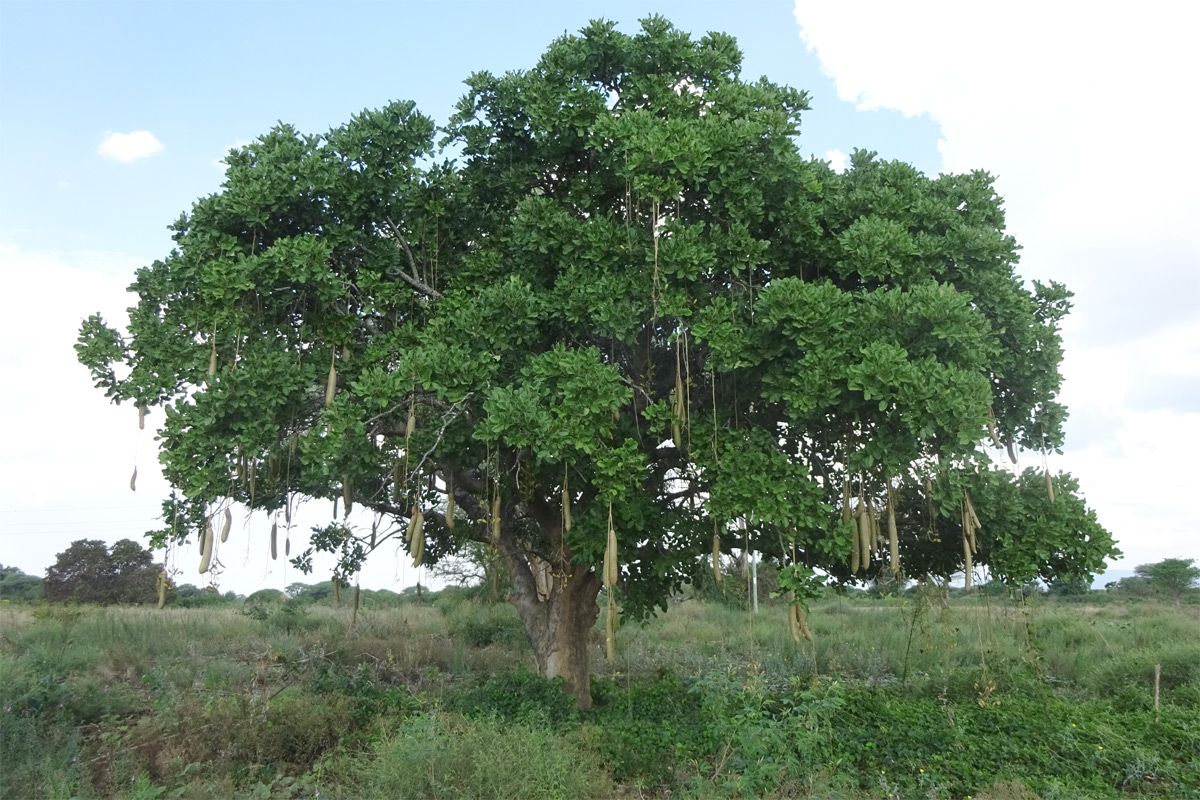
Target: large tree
{"points": [[613, 297], [90, 572]]}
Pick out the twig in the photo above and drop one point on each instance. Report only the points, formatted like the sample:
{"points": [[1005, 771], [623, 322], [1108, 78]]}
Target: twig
{"points": [[411, 280]]}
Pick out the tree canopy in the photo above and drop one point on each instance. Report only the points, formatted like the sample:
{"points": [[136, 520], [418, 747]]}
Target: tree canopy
{"points": [[612, 306], [90, 572], [1171, 576]]}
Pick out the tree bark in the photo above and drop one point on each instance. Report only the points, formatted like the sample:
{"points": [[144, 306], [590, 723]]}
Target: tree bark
{"points": [[559, 626], [557, 622]]}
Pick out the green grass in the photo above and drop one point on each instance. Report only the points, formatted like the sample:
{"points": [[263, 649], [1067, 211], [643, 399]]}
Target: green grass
{"points": [[895, 698]]}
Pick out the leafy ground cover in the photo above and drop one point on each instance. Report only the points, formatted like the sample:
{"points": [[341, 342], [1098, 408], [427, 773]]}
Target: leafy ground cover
{"points": [[914, 697]]}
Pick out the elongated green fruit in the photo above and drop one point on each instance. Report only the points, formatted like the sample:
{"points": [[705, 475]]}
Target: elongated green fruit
{"points": [[347, 497], [331, 381], [1049, 485], [412, 527], [206, 547], [611, 571], [226, 525], [212, 358], [417, 546], [864, 535], [141, 418], [162, 589], [274, 538], [873, 541], [411, 426]]}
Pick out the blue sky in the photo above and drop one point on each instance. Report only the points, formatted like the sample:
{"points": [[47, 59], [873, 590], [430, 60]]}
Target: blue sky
{"points": [[1085, 119], [203, 76]]}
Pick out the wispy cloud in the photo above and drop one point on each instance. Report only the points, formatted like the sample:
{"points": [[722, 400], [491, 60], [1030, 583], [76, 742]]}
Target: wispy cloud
{"points": [[126, 147]]}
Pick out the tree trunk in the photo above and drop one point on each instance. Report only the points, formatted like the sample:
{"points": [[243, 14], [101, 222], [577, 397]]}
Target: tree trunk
{"points": [[559, 626]]}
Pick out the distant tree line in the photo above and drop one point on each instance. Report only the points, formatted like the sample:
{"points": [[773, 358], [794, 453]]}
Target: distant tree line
{"points": [[89, 571]]}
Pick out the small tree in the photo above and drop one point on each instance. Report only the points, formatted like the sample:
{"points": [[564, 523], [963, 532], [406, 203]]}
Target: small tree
{"points": [[1170, 576], [88, 572]]}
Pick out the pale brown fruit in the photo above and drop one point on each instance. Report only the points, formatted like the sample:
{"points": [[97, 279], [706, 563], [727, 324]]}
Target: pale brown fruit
{"points": [[611, 570], [206, 547], [716, 557]]}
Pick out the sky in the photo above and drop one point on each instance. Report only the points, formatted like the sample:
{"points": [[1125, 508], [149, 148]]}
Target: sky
{"points": [[114, 118]]}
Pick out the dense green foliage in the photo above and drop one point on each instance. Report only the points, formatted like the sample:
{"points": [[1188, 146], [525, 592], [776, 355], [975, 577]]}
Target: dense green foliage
{"points": [[89, 571], [18, 587], [619, 286], [904, 697]]}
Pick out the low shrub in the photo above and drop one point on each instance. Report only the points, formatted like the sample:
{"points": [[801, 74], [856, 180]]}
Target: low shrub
{"points": [[441, 755]]}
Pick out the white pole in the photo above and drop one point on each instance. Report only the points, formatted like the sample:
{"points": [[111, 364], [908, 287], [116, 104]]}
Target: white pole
{"points": [[754, 580]]}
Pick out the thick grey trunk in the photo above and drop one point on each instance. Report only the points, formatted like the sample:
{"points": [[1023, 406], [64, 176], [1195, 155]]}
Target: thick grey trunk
{"points": [[559, 626]]}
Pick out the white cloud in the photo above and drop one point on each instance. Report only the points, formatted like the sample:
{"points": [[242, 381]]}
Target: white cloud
{"points": [[126, 147], [836, 159], [1062, 102]]}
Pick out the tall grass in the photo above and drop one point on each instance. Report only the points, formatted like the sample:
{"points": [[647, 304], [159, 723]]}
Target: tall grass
{"points": [[704, 700]]}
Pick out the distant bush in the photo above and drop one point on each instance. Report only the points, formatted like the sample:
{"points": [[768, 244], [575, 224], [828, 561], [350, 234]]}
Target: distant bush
{"points": [[17, 587], [189, 596]]}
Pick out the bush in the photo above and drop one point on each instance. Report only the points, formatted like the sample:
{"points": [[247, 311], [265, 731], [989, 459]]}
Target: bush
{"points": [[516, 696], [480, 625], [441, 755]]}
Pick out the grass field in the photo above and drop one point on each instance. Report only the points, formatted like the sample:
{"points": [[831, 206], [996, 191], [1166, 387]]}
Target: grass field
{"points": [[979, 697]]}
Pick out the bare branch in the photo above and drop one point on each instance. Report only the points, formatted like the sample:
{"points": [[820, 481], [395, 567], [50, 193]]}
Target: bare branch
{"points": [[411, 280]]}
